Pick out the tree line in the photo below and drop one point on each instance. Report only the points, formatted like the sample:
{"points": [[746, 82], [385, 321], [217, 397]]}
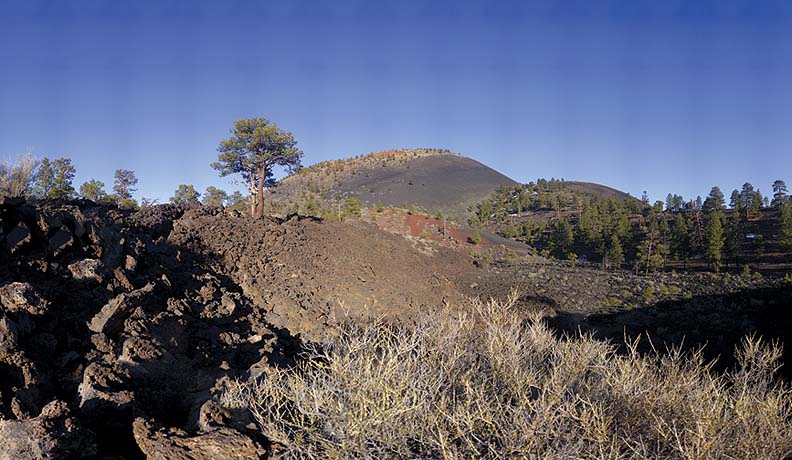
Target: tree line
{"points": [[632, 233], [53, 178], [256, 146]]}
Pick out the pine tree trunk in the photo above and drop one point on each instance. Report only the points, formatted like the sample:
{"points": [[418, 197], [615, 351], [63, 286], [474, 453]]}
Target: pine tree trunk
{"points": [[253, 196], [262, 177]]}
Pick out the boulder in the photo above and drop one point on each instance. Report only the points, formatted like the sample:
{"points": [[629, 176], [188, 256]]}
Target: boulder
{"points": [[16, 297], [60, 241], [102, 392], [17, 237], [112, 244], [87, 270], [54, 434], [212, 415], [221, 443], [110, 318]]}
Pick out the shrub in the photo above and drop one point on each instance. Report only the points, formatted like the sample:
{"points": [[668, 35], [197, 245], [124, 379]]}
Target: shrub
{"points": [[17, 179], [475, 238], [482, 382], [351, 207]]}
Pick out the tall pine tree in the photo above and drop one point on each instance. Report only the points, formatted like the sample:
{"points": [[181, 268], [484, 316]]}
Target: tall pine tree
{"points": [[714, 239]]}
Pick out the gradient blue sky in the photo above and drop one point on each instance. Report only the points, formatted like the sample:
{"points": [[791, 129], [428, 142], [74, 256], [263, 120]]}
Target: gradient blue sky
{"points": [[659, 95]]}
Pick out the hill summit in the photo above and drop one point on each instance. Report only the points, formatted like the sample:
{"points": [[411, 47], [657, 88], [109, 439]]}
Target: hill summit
{"points": [[436, 180]]}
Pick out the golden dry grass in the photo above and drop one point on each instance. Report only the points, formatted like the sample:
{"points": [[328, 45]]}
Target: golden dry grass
{"points": [[482, 382]]}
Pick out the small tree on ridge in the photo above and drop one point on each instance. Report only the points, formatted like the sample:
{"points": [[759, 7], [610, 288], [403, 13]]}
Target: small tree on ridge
{"points": [[255, 147]]}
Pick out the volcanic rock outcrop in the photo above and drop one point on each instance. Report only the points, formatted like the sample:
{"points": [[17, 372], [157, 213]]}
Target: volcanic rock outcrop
{"points": [[119, 328]]}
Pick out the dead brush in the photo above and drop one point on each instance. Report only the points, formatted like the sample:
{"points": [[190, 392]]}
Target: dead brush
{"points": [[481, 382]]}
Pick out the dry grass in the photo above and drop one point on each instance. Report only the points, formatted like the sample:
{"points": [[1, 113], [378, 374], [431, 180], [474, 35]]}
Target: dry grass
{"points": [[488, 384]]}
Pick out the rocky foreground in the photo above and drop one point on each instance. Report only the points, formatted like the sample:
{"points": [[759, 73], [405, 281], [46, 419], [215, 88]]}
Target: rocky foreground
{"points": [[119, 329]]}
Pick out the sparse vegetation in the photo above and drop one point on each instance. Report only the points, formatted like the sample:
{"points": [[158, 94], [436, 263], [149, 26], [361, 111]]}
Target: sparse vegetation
{"points": [[16, 179], [481, 382]]}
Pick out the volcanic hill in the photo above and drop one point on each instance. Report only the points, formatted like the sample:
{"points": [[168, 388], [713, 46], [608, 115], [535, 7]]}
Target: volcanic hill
{"points": [[432, 179], [602, 191]]}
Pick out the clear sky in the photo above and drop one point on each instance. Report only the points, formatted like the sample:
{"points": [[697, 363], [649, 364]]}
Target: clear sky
{"points": [[662, 95]]}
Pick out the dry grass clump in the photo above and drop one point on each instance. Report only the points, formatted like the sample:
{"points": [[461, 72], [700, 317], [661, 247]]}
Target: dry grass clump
{"points": [[487, 384]]}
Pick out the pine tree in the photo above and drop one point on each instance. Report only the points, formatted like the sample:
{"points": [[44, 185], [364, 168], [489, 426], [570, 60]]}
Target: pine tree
{"points": [[651, 251], [615, 254], [44, 178], [780, 195], [93, 190], [562, 238], [715, 200], [237, 201], [214, 196], [785, 226], [255, 148], [124, 182], [747, 197], [185, 195], [714, 240], [734, 200], [590, 226], [733, 233], [54, 179], [62, 187], [680, 239]]}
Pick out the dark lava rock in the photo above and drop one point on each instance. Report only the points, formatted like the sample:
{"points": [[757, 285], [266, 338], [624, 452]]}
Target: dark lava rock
{"points": [[16, 297], [99, 391], [111, 318], [87, 269], [60, 241], [17, 237], [54, 434], [173, 444]]}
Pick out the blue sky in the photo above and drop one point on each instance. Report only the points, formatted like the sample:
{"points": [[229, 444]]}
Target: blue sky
{"points": [[664, 96]]}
